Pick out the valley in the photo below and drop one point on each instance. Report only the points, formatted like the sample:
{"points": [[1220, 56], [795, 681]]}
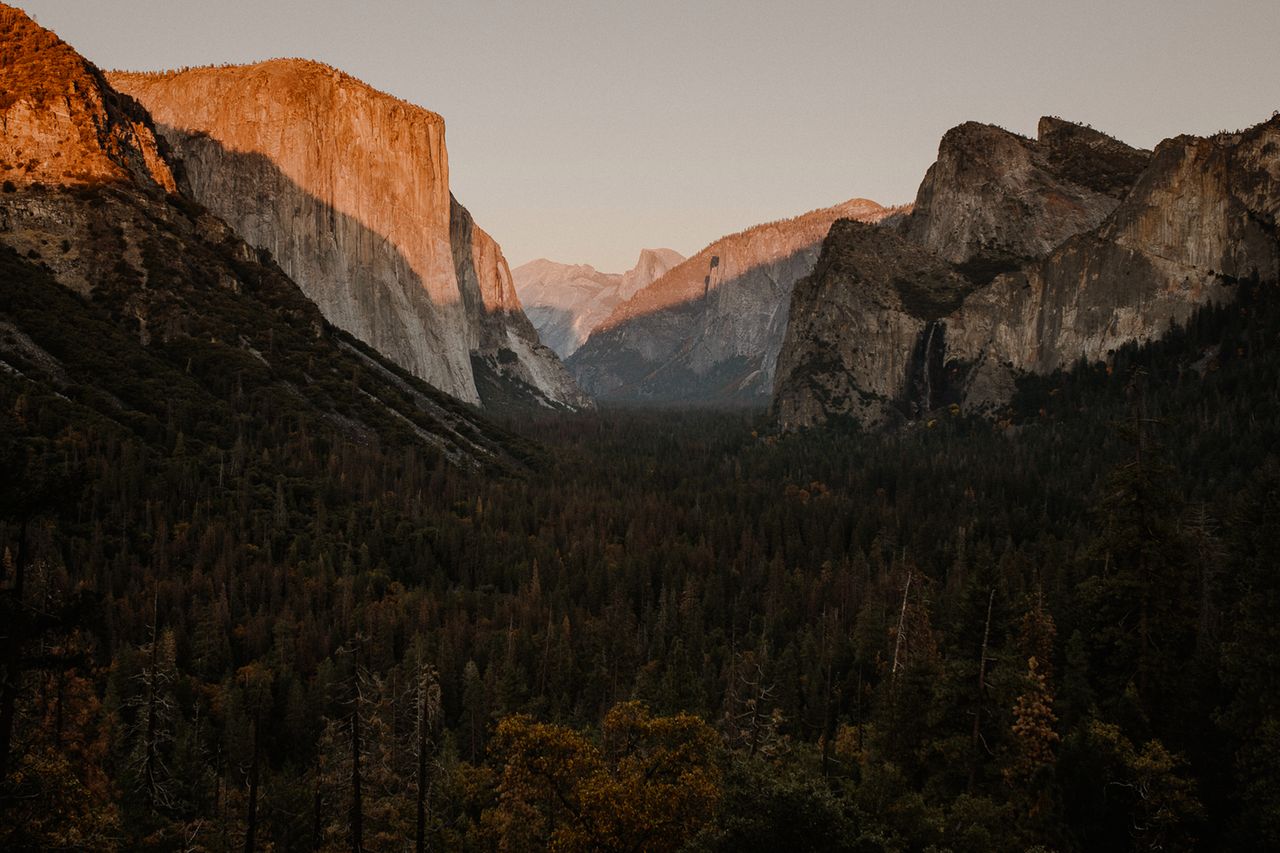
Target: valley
{"points": [[947, 525]]}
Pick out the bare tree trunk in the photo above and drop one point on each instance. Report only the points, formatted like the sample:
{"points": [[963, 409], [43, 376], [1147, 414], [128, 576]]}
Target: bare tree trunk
{"points": [[902, 624], [317, 828], [251, 821], [982, 686], [422, 765], [357, 807], [149, 741]]}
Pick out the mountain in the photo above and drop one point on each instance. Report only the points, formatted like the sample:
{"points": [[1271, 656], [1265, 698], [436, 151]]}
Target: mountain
{"points": [[127, 307], [348, 189], [1026, 256], [566, 302], [709, 330]]}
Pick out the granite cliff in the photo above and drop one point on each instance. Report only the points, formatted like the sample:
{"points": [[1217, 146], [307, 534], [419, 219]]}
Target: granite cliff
{"points": [[566, 302], [348, 189], [710, 329], [1031, 255], [125, 299]]}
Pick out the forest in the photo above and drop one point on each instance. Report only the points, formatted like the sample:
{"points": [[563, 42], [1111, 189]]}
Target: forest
{"points": [[230, 625]]}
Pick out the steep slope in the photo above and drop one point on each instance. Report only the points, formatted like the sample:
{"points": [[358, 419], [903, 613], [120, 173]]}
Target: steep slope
{"points": [[138, 308], [864, 339], [994, 199], [1199, 217], [711, 328], [566, 302], [348, 189], [61, 122]]}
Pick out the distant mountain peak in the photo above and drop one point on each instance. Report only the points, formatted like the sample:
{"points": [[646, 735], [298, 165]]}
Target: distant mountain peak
{"points": [[709, 330], [565, 302]]}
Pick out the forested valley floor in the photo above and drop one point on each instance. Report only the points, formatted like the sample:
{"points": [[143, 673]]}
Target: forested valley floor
{"points": [[653, 630]]}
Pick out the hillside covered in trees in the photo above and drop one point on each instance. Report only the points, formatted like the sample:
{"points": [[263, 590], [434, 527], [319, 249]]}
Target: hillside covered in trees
{"points": [[231, 623]]}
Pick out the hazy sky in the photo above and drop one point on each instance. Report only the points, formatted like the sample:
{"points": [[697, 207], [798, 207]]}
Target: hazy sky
{"points": [[584, 131]]}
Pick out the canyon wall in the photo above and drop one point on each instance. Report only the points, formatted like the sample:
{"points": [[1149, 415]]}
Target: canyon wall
{"points": [[709, 330], [1030, 255], [348, 189]]}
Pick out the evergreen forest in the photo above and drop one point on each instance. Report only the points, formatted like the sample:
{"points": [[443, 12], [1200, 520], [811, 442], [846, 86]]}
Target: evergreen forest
{"points": [[231, 624]]}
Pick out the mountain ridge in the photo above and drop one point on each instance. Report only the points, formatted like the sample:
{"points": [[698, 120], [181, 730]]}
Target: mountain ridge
{"points": [[566, 302], [169, 289], [1138, 252], [709, 330], [349, 189]]}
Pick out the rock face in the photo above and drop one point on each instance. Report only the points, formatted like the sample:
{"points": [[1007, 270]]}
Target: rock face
{"points": [[710, 329], [566, 302], [62, 124], [1181, 231], [179, 301], [994, 200], [348, 189], [888, 329]]}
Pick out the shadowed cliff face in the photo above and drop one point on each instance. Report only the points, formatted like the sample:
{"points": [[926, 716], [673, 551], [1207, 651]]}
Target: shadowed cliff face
{"points": [[349, 189], [866, 337], [510, 363], [710, 329], [994, 200], [1196, 218]]}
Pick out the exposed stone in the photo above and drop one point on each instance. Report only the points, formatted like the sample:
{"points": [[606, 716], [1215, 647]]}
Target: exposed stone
{"points": [[995, 199], [566, 302], [1199, 217], [178, 280], [865, 329], [710, 329], [348, 188], [59, 121]]}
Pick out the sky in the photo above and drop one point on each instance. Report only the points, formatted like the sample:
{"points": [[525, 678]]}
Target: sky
{"points": [[586, 130]]}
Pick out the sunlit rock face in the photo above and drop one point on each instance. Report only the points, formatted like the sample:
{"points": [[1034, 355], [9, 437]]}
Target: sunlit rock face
{"points": [[60, 123], [1198, 217], [348, 188], [566, 302], [76, 159], [709, 330]]}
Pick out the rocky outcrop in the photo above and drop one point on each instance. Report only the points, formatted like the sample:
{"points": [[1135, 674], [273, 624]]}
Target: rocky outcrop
{"points": [[994, 199], [510, 363], [891, 296], [711, 328], [60, 123], [180, 304], [566, 302], [1199, 217], [348, 188]]}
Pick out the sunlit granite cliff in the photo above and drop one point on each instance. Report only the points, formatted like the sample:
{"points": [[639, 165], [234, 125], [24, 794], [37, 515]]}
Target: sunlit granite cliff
{"points": [[348, 189], [172, 312]]}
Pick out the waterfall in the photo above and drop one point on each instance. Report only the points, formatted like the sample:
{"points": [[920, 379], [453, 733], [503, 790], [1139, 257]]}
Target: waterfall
{"points": [[926, 365], [926, 382]]}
